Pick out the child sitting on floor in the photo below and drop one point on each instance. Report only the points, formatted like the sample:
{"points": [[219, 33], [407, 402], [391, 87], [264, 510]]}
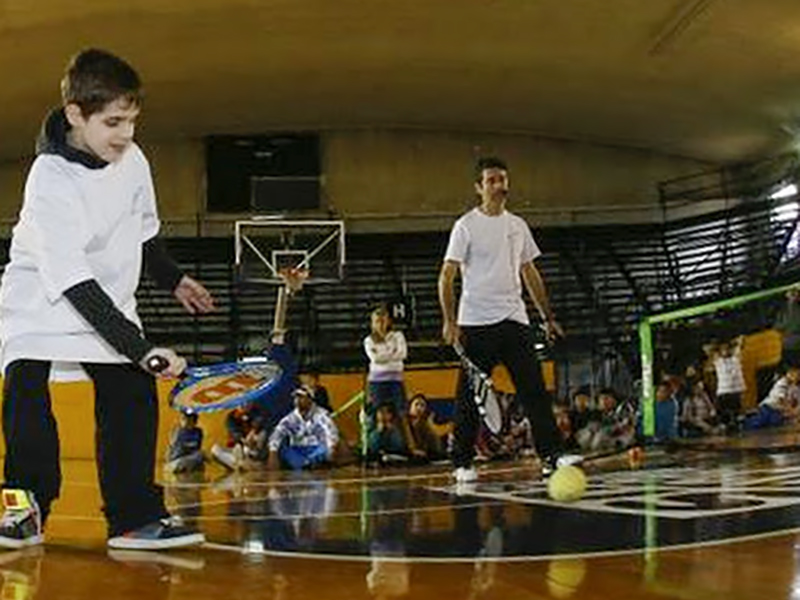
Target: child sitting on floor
{"points": [[185, 447], [385, 441], [780, 407], [305, 438], [423, 431]]}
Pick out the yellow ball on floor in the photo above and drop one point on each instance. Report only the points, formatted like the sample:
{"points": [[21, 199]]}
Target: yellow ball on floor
{"points": [[567, 484]]}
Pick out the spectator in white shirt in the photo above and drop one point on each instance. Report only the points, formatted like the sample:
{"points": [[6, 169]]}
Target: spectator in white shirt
{"points": [[727, 360], [305, 438], [386, 349]]}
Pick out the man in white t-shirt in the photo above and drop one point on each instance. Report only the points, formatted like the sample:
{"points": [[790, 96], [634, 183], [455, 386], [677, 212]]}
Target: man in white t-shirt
{"points": [[494, 251]]}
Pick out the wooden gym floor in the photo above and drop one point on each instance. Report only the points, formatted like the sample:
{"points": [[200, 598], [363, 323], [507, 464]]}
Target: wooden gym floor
{"points": [[716, 519]]}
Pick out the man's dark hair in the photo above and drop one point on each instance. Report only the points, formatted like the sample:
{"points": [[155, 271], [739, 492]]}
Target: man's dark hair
{"points": [[95, 78], [488, 162]]}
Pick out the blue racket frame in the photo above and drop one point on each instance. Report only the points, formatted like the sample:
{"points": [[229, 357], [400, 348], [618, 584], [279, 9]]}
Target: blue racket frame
{"points": [[194, 375]]}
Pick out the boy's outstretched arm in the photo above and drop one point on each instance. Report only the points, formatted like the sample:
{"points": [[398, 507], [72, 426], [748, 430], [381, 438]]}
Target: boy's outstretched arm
{"points": [[167, 274]]}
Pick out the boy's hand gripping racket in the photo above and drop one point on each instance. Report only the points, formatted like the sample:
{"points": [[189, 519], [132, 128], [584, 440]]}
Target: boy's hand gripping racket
{"points": [[483, 392], [223, 386]]}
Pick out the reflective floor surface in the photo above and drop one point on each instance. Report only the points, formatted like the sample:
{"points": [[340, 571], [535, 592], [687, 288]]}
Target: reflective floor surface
{"points": [[715, 521]]}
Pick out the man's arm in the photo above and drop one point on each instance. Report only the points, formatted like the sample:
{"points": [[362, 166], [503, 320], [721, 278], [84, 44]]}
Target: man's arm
{"points": [[447, 300], [534, 284]]}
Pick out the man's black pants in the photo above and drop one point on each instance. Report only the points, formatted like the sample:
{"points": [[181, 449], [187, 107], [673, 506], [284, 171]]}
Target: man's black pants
{"points": [[512, 344]]}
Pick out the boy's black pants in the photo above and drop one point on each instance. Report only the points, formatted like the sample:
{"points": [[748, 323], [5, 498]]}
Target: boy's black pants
{"points": [[514, 345], [126, 428]]}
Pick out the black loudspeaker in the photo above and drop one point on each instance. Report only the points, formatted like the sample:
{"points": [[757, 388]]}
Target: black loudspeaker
{"points": [[284, 193], [263, 173]]}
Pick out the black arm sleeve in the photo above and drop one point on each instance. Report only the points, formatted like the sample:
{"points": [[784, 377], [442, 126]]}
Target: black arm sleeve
{"points": [[159, 265], [98, 309]]}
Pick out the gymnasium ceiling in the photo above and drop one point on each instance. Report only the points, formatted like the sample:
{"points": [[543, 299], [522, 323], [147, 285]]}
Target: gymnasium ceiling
{"points": [[717, 80]]}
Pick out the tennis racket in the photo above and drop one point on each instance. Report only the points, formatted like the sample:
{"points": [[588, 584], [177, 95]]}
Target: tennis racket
{"points": [[229, 385], [483, 392], [225, 386]]}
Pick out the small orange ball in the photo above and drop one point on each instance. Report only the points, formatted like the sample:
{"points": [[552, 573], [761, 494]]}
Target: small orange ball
{"points": [[636, 457]]}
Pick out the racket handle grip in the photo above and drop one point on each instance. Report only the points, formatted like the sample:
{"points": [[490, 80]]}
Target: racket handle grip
{"points": [[156, 364]]}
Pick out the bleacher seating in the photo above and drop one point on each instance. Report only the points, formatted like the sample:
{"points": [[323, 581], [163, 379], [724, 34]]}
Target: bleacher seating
{"points": [[601, 281]]}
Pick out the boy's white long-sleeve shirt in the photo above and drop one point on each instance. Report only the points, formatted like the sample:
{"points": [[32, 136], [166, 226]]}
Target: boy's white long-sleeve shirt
{"points": [[76, 224]]}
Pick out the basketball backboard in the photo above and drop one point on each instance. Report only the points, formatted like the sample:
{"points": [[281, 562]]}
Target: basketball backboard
{"points": [[265, 246]]}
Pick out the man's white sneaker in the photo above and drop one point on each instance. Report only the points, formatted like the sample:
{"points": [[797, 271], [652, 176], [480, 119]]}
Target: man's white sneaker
{"points": [[465, 474], [567, 460], [553, 462]]}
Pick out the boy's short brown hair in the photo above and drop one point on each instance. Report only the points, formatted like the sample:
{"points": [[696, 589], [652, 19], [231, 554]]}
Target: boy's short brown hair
{"points": [[94, 78]]}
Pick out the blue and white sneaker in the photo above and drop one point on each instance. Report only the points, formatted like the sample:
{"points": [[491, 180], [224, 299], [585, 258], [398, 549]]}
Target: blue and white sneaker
{"points": [[166, 533], [21, 524]]}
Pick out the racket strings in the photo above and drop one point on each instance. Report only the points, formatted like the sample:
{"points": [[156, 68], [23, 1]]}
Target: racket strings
{"points": [[485, 397], [224, 386], [484, 394]]}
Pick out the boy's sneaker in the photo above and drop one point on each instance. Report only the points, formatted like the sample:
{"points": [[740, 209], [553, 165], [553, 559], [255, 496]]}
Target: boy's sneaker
{"points": [[554, 461], [465, 475], [21, 524], [165, 533]]}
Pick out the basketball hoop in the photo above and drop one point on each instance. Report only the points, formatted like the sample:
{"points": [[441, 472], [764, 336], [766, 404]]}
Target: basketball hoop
{"points": [[293, 278]]}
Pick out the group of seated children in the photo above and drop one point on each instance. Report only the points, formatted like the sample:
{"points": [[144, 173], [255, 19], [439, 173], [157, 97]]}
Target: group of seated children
{"points": [[391, 435], [685, 408], [306, 437], [592, 426]]}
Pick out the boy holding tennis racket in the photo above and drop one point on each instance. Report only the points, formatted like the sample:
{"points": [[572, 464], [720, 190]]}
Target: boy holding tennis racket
{"points": [[494, 252], [88, 223]]}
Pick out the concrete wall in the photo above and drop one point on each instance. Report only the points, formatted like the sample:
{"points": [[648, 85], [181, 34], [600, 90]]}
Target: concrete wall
{"points": [[399, 179]]}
